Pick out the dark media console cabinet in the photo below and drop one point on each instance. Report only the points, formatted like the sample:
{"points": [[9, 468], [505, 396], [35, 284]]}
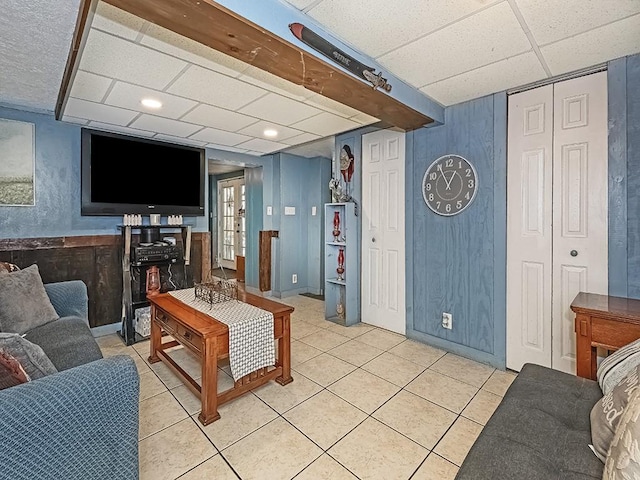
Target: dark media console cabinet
{"points": [[174, 265]]}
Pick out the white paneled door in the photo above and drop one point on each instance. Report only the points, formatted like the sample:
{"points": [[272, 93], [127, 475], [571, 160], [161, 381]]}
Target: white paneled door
{"points": [[557, 232], [231, 221], [383, 237]]}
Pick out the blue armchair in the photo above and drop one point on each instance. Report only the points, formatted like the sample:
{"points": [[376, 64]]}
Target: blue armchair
{"points": [[79, 423]]}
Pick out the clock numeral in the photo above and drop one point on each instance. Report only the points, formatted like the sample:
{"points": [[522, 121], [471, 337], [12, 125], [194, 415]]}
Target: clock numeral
{"points": [[459, 204], [438, 205], [433, 176], [467, 196], [447, 207], [431, 197], [468, 171], [428, 187], [449, 163], [471, 183]]}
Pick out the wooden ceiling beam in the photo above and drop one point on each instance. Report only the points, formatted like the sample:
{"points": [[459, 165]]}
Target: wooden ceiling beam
{"points": [[213, 25]]}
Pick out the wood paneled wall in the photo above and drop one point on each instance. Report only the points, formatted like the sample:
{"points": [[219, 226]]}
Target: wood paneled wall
{"points": [[97, 261]]}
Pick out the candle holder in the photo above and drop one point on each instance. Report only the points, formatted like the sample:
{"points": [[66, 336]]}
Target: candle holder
{"points": [[336, 226], [340, 269]]}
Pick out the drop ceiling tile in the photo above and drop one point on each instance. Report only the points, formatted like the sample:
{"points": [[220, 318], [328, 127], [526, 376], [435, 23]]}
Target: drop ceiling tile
{"points": [[499, 76], [378, 26], [483, 38], [257, 130], [214, 88], [116, 21], [212, 135], [262, 145], [98, 112], [615, 40], [273, 83], [331, 106], [299, 139], [326, 124], [77, 121], [255, 154], [105, 127], [300, 4], [165, 125], [88, 86], [191, 51], [279, 109], [179, 140], [227, 148], [364, 119], [218, 118], [117, 58], [129, 96], [571, 17]]}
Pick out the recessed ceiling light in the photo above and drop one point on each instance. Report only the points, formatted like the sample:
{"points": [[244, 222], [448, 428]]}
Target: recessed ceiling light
{"points": [[151, 103], [270, 132]]}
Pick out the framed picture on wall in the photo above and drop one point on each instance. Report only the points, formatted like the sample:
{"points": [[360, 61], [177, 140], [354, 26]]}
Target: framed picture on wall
{"points": [[17, 163]]}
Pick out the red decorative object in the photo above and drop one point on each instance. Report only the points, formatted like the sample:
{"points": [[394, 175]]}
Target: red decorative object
{"points": [[336, 226], [340, 268], [153, 281]]}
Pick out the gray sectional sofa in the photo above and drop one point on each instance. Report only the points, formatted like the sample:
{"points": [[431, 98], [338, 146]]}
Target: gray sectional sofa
{"points": [[540, 431]]}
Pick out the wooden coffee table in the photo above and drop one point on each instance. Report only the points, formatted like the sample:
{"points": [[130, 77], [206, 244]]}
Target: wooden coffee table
{"points": [[209, 340]]}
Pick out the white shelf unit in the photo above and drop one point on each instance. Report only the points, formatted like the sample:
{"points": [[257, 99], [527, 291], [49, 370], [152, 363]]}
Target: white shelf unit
{"points": [[347, 291]]}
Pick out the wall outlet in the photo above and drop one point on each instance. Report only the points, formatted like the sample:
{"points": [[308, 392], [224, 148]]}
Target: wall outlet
{"points": [[447, 320], [313, 211], [269, 210], [294, 278]]}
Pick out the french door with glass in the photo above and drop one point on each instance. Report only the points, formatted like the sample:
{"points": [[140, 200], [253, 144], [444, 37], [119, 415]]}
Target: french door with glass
{"points": [[231, 221]]}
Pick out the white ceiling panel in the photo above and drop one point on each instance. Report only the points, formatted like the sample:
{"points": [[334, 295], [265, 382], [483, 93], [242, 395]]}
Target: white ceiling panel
{"points": [[552, 20], [218, 118], [116, 21], [88, 86], [179, 140], [220, 137], [301, 4], [258, 128], [98, 112], [213, 88], [106, 127], [186, 49], [596, 46], [364, 119], [300, 139], [262, 145], [129, 96], [379, 26], [77, 121], [165, 125], [326, 124], [518, 70], [483, 38], [268, 81], [329, 105], [279, 109], [227, 148]]}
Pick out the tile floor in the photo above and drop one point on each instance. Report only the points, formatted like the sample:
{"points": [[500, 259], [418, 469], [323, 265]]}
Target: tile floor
{"points": [[365, 403]]}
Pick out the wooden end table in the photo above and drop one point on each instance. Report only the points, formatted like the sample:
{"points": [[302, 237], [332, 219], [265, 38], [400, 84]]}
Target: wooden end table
{"points": [[209, 340], [602, 321]]}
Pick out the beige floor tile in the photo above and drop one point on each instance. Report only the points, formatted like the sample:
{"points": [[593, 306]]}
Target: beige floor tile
{"points": [[355, 352], [382, 339], [302, 329], [482, 407], [417, 352], [458, 440], [442, 390], [118, 349], [142, 348], [436, 468], [158, 413], [324, 340], [325, 418], [238, 418], [165, 374], [187, 361], [325, 369], [375, 451], [364, 390], [420, 420], [325, 468], [463, 369], [499, 382], [393, 369], [301, 352], [285, 398], [352, 332], [173, 451], [187, 399], [111, 340], [141, 365], [214, 468], [150, 385], [276, 452]]}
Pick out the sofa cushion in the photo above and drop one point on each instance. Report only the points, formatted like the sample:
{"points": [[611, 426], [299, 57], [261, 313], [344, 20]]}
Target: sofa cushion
{"points": [[623, 461], [616, 366], [606, 414], [11, 372], [24, 303], [32, 358], [67, 342]]}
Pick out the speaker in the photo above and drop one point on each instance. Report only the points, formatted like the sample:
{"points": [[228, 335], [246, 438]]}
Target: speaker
{"points": [[149, 235]]}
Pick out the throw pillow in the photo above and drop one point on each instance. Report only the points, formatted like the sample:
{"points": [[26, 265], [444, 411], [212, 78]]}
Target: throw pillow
{"points": [[605, 415], [24, 303], [616, 366], [32, 358], [11, 372], [623, 461]]}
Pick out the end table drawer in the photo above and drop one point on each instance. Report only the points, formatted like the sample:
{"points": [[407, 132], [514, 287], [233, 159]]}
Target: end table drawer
{"points": [[168, 323], [189, 338]]}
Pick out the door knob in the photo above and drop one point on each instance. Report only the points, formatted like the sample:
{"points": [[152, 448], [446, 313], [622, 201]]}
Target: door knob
{"points": [[373, 240], [574, 253]]}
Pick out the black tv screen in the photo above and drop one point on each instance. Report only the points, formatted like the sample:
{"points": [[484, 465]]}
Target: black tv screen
{"points": [[123, 174]]}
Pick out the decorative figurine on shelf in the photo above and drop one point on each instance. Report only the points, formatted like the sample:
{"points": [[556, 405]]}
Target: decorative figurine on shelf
{"points": [[336, 226], [153, 281], [340, 310], [340, 268], [347, 162]]}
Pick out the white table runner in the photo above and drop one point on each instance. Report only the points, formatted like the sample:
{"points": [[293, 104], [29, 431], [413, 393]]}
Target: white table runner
{"points": [[251, 343]]}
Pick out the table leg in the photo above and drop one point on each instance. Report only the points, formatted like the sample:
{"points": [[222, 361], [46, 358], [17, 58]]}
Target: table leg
{"points": [[156, 338], [585, 354], [284, 352], [209, 390]]}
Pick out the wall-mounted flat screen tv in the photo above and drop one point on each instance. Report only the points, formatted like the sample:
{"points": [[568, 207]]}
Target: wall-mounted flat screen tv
{"points": [[123, 174]]}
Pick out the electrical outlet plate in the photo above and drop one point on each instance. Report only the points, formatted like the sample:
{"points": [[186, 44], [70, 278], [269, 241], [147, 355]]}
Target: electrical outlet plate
{"points": [[294, 278], [447, 320]]}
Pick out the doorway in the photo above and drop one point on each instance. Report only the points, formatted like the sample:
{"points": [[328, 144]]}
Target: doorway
{"points": [[557, 228], [231, 222]]}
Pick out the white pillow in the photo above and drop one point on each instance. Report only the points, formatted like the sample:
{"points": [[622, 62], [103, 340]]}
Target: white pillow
{"points": [[617, 365], [623, 460]]}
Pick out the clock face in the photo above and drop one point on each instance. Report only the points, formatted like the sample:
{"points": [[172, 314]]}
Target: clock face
{"points": [[449, 185]]}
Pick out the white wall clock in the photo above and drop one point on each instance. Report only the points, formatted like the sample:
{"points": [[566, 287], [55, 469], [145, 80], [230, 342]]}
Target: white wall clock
{"points": [[449, 185]]}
